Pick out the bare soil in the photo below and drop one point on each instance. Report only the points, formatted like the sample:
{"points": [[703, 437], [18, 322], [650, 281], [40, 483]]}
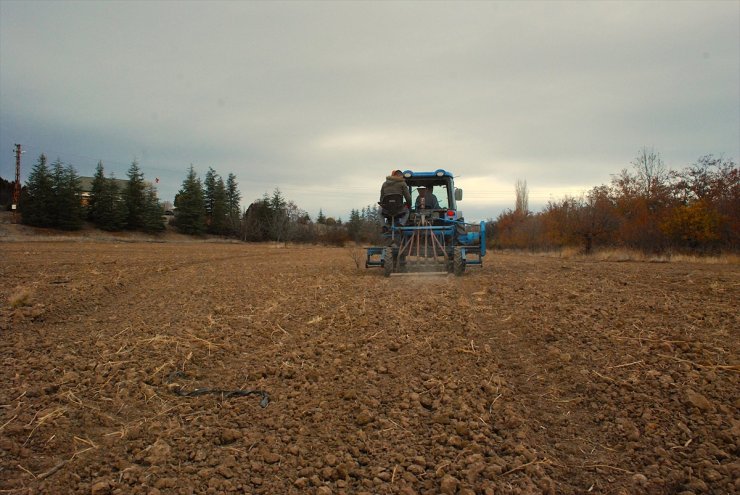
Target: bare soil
{"points": [[530, 375]]}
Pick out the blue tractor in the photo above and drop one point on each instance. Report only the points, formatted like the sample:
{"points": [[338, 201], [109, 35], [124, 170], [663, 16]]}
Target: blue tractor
{"points": [[435, 236]]}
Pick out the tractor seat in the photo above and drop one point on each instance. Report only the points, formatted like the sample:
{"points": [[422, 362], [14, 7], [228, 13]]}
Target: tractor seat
{"points": [[392, 205]]}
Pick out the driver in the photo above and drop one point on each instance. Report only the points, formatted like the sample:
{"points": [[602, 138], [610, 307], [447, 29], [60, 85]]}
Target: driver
{"points": [[426, 199]]}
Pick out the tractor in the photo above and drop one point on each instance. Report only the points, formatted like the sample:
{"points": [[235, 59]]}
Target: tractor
{"points": [[435, 237]]}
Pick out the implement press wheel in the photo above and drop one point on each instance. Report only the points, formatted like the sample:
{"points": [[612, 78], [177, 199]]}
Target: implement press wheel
{"points": [[458, 261], [388, 261]]}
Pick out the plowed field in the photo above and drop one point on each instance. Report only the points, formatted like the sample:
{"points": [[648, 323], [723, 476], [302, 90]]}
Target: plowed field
{"points": [[530, 375]]}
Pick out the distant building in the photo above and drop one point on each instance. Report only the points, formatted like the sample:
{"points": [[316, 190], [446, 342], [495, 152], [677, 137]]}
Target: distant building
{"points": [[86, 187]]}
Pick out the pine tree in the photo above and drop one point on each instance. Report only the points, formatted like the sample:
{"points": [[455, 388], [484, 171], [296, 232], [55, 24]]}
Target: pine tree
{"points": [[57, 179], [133, 197], [67, 197], [278, 216], [6, 193], [321, 218], [96, 191], [37, 204], [190, 206], [233, 199], [153, 211], [219, 212], [109, 208], [214, 192], [209, 191], [354, 225]]}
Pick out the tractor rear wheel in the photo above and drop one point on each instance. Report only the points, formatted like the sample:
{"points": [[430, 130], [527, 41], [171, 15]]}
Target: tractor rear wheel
{"points": [[458, 261], [388, 261]]}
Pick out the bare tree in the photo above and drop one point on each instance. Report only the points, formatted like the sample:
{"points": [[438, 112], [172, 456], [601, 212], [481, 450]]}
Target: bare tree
{"points": [[522, 197], [652, 174]]}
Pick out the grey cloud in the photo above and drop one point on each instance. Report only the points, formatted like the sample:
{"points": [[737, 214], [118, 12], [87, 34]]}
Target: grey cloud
{"points": [[302, 94]]}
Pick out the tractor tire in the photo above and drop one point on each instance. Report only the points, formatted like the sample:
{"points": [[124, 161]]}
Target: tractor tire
{"points": [[458, 261], [388, 263]]}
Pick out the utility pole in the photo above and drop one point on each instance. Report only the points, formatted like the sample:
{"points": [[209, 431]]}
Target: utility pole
{"points": [[17, 188]]}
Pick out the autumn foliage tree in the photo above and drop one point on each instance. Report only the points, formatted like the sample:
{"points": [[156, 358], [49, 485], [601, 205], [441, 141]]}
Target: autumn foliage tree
{"points": [[707, 215], [648, 207]]}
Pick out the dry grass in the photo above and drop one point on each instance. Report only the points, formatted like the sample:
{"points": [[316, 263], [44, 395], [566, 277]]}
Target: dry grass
{"points": [[568, 252], [21, 297], [357, 254], [620, 255], [723, 259]]}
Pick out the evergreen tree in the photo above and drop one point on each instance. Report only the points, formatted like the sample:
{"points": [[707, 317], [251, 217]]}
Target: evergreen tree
{"points": [[67, 197], [209, 191], [110, 212], [233, 199], [190, 206], [321, 218], [278, 215], [153, 211], [371, 222], [37, 205], [354, 225], [219, 219], [133, 197], [215, 202], [6, 193], [57, 179], [96, 192]]}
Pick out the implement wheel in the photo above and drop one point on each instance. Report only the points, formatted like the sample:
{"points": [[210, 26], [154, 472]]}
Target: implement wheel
{"points": [[388, 261], [458, 261]]}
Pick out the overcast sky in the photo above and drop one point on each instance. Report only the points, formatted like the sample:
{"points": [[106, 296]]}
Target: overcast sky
{"points": [[323, 99]]}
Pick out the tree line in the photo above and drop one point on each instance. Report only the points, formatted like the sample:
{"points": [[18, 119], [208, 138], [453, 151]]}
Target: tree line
{"points": [[53, 197], [210, 206], [649, 207], [275, 218]]}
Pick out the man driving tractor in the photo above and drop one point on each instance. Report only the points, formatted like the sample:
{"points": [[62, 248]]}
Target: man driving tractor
{"points": [[426, 198]]}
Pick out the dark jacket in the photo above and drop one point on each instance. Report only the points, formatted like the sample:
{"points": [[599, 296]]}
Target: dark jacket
{"points": [[430, 201], [395, 185]]}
